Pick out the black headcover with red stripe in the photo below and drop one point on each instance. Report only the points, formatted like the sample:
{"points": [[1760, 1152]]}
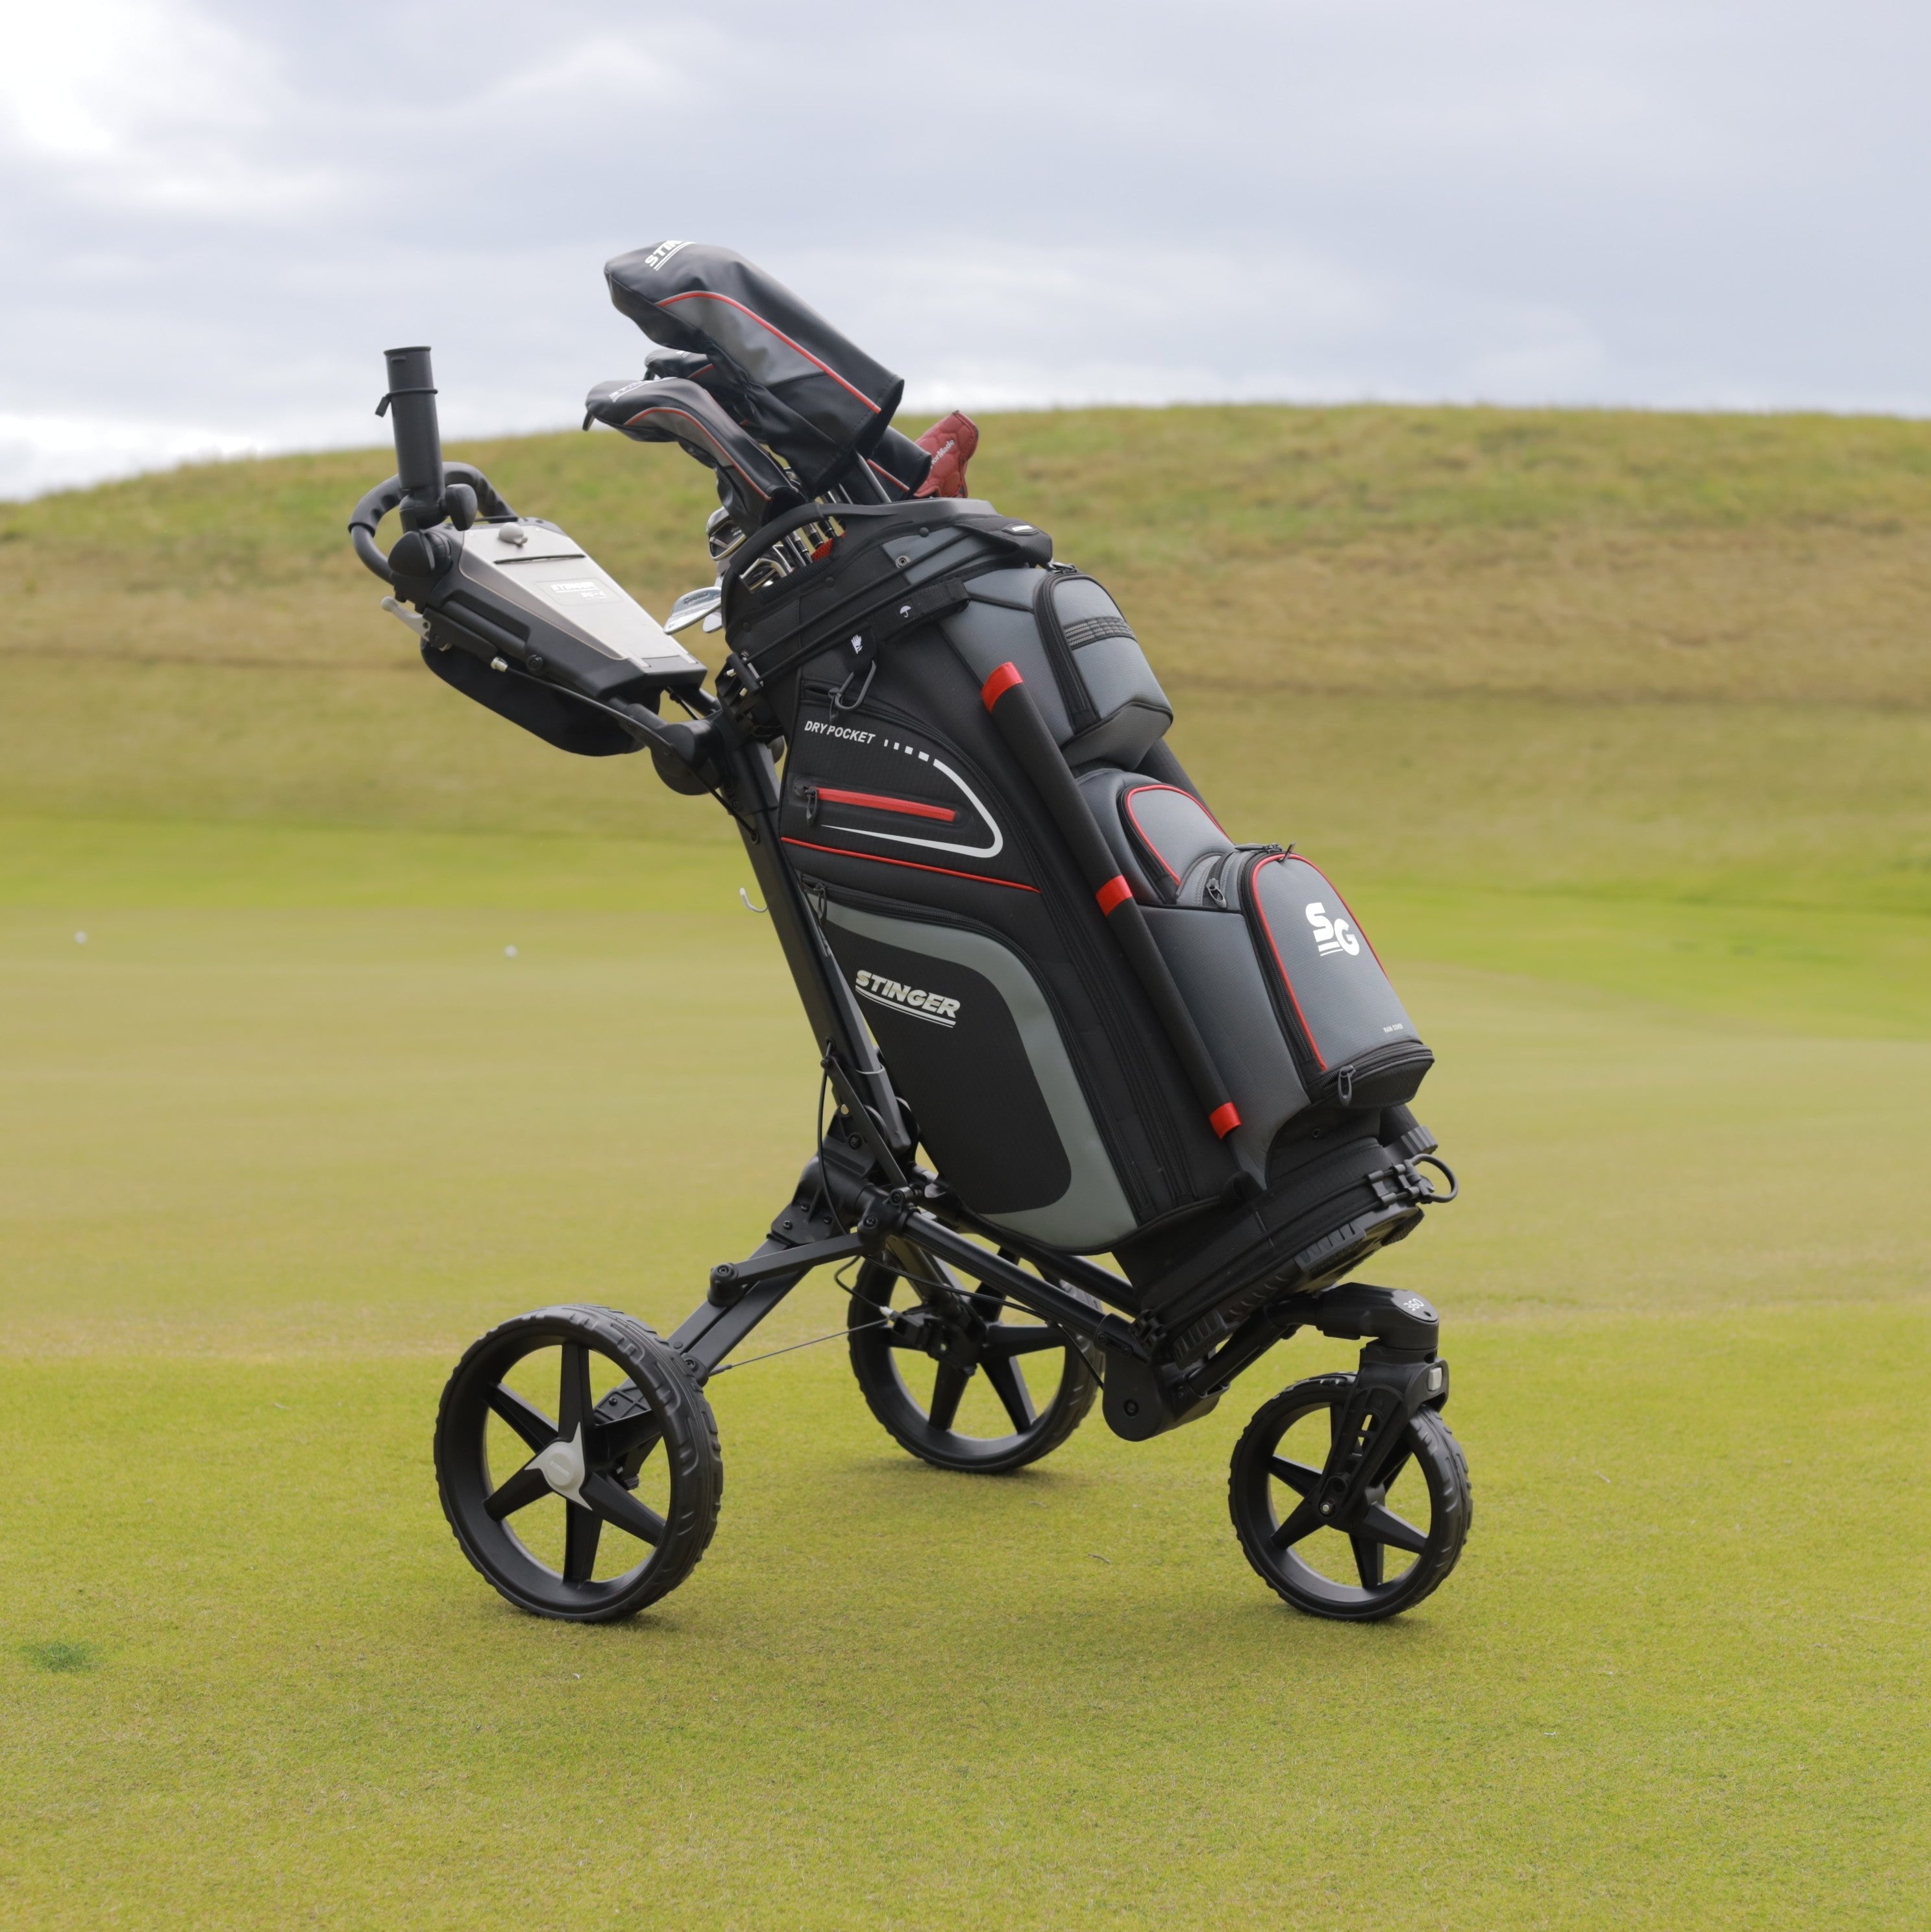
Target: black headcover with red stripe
{"points": [[830, 396]]}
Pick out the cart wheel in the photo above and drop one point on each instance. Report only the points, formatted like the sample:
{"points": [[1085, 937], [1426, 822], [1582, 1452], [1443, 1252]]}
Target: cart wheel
{"points": [[592, 1516], [1402, 1541], [960, 1378]]}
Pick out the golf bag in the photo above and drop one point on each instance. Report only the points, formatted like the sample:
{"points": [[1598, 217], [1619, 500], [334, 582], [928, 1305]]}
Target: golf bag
{"points": [[1116, 1028]]}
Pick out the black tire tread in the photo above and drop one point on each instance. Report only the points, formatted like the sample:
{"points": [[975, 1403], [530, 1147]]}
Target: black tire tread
{"points": [[698, 1470], [1072, 1403], [1421, 1582]]}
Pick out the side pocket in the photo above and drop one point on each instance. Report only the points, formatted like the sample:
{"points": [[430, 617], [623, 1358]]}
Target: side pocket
{"points": [[1352, 1036]]}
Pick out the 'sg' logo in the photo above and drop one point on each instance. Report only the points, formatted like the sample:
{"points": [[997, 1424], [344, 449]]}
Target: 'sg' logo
{"points": [[1332, 935]]}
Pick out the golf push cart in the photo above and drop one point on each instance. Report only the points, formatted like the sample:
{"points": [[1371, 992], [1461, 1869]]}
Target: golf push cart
{"points": [[1060, 1013]]}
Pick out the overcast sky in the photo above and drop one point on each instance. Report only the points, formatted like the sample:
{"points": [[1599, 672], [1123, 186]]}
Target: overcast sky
{"points": [[216, 213]]}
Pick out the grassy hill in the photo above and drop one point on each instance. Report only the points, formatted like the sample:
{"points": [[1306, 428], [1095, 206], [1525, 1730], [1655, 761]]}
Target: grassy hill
{"points": [[388, 1021], [1676, 666]]}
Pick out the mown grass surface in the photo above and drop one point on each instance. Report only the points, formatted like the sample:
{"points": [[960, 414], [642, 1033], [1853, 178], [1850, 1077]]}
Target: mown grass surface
{"points": [[289, 1128]]}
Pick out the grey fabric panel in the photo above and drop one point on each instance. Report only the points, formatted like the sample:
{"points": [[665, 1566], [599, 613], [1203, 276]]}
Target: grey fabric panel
{"points": [[1016, 587], [1080, 597], [988, 635], [1124, 739], [1092, 1214], [1345, 1000], [1211, 955], [1103, 785], [1178, 828], [1117, 674]]}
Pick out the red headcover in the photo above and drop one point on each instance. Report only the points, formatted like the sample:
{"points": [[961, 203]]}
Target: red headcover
{"points": [[950, 443]]}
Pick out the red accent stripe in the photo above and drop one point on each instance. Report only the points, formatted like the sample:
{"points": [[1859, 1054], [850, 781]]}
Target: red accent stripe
{"points": [[1115, 892], [913, 865], [1224, 1119], [999, 684], [708, 295], [1280, 966], [875, 801]]}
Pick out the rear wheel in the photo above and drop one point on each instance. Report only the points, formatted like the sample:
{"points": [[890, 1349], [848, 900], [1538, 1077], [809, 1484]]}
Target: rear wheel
{"points": [[1400, 1542], [962, 1378], [577, 1462]]}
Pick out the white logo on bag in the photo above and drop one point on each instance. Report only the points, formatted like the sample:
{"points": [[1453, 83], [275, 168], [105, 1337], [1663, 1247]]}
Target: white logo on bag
{"points": [[913, 999], [662, 252], [1332, 935]]}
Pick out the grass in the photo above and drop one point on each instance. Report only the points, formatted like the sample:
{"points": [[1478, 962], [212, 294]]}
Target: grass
{"points": [[290, 1126]]}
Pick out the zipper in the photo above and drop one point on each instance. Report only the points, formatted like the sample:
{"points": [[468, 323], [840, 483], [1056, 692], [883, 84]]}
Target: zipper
{"points": [[1081, 714]]}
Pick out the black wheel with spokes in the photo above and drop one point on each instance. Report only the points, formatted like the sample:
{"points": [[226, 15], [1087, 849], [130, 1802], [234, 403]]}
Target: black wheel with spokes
{"points": [[577, 1462], [962, 1378], [1399, 1545]]}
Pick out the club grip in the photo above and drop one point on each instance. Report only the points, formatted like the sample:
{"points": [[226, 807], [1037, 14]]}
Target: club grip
{"points": [[418, 437]]}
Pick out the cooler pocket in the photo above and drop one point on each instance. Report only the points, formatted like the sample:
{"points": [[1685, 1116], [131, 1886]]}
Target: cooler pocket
{"points": [[1352, 1036], [970, 1040]]}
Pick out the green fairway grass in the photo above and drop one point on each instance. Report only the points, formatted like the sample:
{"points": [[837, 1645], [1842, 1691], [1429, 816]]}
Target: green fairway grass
{"points": [[1614, 729]]}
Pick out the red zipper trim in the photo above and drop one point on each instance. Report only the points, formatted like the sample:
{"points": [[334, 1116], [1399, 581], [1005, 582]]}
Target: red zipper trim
{"points": [[875, 801], [913, 865]]}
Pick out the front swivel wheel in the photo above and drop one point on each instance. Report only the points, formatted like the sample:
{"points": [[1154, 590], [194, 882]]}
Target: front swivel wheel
{"points": [[577, 1462], [1400, 1542]]}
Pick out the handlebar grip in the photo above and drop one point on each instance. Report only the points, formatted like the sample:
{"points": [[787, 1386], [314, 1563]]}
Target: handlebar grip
{"points": [[411, 402]]}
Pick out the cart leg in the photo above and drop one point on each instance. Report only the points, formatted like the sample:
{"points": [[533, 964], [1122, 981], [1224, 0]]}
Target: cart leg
{"points": [[803, 1236]]}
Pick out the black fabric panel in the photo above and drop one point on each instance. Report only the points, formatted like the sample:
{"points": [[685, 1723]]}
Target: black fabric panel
{"points": [[554, 715], [695, 295], [953, 1050]]}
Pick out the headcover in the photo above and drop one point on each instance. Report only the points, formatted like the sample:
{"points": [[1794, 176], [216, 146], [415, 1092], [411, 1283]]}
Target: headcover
{"points": [[821, 396]]}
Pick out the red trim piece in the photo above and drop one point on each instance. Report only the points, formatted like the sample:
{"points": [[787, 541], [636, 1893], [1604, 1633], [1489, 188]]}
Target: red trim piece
{"points": [[1224, 1119], [1115, 892], [876, 802], [913, 865], [999, 684], [709, 294], [1280, 966]]}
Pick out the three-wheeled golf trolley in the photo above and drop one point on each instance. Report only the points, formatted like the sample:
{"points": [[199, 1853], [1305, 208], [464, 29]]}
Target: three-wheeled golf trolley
{"points": [[1060, 1013]]}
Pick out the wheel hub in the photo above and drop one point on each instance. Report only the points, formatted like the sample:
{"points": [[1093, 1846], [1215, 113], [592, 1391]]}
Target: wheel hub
{"points": [[562, 1467]]}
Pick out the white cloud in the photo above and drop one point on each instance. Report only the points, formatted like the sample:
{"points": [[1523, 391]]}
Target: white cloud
{"points": [[150, 103]]}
